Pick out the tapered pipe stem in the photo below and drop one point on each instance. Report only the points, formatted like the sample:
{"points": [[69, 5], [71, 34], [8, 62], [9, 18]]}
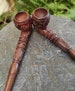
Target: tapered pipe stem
{"points": [[19, 53], [57, 41]]}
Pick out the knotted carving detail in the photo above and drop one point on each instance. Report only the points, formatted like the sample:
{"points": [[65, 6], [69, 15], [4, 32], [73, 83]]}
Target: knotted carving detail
{"points": [[54, 39], [21, 46]]}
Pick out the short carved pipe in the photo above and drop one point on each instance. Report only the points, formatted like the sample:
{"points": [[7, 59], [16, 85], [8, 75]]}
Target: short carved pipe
{"points": [[41, 17], [23, 22]]}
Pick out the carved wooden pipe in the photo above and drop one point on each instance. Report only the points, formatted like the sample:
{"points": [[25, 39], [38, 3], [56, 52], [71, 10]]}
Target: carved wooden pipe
{"points": [[23, 22], [41, 19]]}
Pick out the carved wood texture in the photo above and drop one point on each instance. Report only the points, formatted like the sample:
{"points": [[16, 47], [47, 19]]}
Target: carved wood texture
{"points": [[57, 41], [14, 68]]}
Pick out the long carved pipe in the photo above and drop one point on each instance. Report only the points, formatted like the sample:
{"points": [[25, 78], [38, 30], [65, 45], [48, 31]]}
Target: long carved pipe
{"points": [[23, 22], [41, 19]]}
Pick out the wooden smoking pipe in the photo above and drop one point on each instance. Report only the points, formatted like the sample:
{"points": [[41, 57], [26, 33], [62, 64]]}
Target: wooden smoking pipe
{"points": [[41, 17], [23, 22]]}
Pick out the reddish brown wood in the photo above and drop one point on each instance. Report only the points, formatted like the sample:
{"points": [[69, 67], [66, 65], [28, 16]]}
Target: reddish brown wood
{"points": [[23, 22], [41, 18]]}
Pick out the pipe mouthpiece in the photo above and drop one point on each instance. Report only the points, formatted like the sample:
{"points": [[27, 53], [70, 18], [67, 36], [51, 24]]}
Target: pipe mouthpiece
{"points": [[72, 53]]}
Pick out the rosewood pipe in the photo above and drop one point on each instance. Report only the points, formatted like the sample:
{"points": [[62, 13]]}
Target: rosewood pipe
{"points": [[41, 17], [23, 22]]}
